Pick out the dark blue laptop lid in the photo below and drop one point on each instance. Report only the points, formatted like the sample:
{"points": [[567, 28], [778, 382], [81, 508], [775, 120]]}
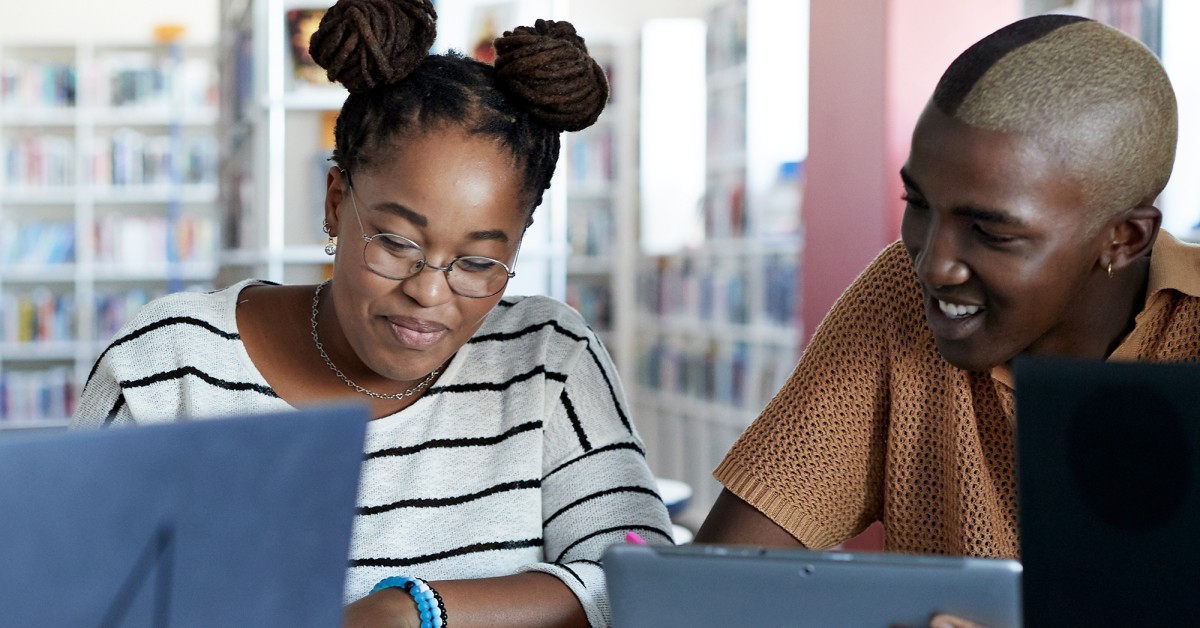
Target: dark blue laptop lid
{"points": [[226, 522]]}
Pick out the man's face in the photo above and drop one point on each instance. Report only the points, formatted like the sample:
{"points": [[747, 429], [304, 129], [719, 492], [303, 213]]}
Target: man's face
{"points": [[998, 234]]}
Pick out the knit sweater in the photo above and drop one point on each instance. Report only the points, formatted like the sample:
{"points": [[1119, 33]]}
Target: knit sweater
{"points": [[522, 457], [875, 425]]}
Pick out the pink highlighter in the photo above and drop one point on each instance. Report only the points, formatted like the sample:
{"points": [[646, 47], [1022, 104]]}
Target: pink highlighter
{"points": [[634, 539]]}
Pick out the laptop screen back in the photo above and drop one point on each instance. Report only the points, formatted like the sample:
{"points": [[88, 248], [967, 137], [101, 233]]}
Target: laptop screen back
{"points": [[229, 522], [1109, 473]]}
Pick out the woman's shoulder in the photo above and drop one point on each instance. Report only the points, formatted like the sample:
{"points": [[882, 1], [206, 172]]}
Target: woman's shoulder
{"points": [[213, 309], [521, 311]]}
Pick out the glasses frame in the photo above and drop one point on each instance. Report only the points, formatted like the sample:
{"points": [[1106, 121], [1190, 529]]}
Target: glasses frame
{"points": [[424, 263]]}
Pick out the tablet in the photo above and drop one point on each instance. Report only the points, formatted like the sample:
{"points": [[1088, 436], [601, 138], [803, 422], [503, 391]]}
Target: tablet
{"points": [[717, 585]]}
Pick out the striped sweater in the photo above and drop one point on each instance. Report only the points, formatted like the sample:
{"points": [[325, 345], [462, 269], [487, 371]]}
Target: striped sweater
{"points": [[522, 457]]}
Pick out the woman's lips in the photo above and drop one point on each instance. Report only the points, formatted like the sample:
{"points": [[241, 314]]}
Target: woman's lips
{"points": [[952, 321], [417, 334]]}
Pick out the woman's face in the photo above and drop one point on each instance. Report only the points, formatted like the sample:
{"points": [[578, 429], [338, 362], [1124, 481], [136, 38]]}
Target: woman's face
{"points": [[454, 195], [999, 237]]}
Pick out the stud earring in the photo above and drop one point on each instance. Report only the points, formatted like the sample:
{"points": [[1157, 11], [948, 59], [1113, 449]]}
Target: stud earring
{"points": [[330, 243]]}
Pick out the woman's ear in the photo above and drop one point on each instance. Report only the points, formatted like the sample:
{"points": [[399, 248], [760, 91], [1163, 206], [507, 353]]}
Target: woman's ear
{"points": [[336, 189], [1131, 236]]}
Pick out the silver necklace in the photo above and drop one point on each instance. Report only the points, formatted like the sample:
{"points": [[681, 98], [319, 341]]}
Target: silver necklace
{"points": [[336, 371]]}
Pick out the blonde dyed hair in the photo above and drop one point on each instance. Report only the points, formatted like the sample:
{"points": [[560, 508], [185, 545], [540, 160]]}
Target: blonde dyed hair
{"points": [[1096, 97]]}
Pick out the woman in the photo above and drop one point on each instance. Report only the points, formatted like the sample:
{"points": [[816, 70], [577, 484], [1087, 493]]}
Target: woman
{"points": [[502, 460]]}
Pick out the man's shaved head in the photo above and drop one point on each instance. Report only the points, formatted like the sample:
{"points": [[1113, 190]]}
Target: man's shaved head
{"points": [[1100, 99]]}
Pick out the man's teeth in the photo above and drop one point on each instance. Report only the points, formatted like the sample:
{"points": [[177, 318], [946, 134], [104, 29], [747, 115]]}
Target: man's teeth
{"points": [[954, 310]]}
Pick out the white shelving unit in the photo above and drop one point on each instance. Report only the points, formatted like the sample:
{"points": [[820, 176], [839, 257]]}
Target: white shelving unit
{"points": [[601, 199], [716, 320], [108, 198], [275, 131]]}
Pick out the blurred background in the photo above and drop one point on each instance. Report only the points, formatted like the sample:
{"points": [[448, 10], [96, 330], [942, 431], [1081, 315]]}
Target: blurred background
{"points": [[742, 175]]}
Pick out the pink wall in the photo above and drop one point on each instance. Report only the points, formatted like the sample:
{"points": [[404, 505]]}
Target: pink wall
{"points": [[872, 66]]}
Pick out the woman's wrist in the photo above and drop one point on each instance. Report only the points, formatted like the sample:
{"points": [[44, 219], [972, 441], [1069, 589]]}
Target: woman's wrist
{"points": [[431, 611]]}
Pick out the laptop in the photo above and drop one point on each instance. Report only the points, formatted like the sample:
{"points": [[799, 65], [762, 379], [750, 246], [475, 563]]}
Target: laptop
{"points": [[717, 585], [1109, 476], [231, 522]]}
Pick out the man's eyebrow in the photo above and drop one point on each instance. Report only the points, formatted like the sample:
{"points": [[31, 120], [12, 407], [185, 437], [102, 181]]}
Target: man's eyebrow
{"points": [[993, 216], [982, 214], [420, 220]]}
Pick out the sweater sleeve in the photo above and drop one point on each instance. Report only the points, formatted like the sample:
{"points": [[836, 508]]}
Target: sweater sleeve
{"points": [[813, 461], [103, 402], [596, 485]]}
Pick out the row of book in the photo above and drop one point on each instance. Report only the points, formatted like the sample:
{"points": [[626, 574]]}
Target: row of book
{"points": [[593, 300], [128, 78], [28, 84], [126, 157], [37, 395], [43, 316], [36, 243], [135, 241], [590, 228], [591, 158], [38, 161], [735, 374], [726, 36], [155, 79], [38, 316], [718, 289], [130, 157]]}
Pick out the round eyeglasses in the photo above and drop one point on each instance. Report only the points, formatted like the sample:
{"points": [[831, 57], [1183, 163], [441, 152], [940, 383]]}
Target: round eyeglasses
{"points": [[397, 257]]}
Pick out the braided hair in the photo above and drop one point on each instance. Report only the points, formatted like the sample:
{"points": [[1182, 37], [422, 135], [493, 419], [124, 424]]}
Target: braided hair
{"points": [[543, 82]]}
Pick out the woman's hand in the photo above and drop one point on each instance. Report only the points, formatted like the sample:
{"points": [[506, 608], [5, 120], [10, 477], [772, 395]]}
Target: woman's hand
{"points": [[386, 608]]}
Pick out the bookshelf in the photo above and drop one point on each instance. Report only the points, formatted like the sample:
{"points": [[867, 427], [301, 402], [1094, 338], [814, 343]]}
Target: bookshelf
{"points": [[108, 198], [601, 182], [275, 137], [716, 320]]}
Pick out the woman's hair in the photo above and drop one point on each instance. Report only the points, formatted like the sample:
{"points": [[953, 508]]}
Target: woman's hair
{"points": [[1099, 97], [543, 82]]}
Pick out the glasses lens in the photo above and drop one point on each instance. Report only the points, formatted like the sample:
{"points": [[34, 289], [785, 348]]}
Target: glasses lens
{"points": [[477, 276], [393, 256]]}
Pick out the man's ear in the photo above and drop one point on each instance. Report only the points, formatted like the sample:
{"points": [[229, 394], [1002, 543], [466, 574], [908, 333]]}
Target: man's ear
{"points": [[336, 189], [1131, 236]]}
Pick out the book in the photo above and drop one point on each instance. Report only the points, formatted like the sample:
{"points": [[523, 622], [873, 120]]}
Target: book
{"points": [[301, 24]]}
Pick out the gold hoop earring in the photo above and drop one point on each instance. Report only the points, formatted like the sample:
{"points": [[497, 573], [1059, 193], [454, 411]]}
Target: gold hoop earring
{"points": [[1110, 274]]}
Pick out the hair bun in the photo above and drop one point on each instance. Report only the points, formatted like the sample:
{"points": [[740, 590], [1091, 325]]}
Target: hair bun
{"points": [[547, 67], [366, 43]]}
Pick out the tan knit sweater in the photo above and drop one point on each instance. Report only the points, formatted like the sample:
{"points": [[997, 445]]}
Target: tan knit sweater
{"points": [[874, 425]]}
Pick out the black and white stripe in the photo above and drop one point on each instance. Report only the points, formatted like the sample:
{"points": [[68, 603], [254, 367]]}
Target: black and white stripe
{"points": [[522, 457]]}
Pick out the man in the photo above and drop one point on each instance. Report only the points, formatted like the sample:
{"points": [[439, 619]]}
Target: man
{"points": [[1030, 228]]}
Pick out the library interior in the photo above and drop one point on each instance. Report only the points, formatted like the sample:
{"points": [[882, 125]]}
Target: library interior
{"points": [[742, 174]]}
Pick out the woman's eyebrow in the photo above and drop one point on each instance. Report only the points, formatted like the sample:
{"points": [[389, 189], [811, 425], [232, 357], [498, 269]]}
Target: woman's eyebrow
{"points": [[410, 215], [420, 220], [491, 234]]}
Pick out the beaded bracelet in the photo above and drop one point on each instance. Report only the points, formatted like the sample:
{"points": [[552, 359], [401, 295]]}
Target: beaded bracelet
{"points": [[429, 603]]}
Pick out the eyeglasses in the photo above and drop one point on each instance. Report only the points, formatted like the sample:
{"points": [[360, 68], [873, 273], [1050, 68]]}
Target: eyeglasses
{"points": [[397, 257]]}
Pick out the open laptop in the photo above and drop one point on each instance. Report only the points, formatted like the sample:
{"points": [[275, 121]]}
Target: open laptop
{"points": [[1109, 475], [229, 522], [716, 585]]}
